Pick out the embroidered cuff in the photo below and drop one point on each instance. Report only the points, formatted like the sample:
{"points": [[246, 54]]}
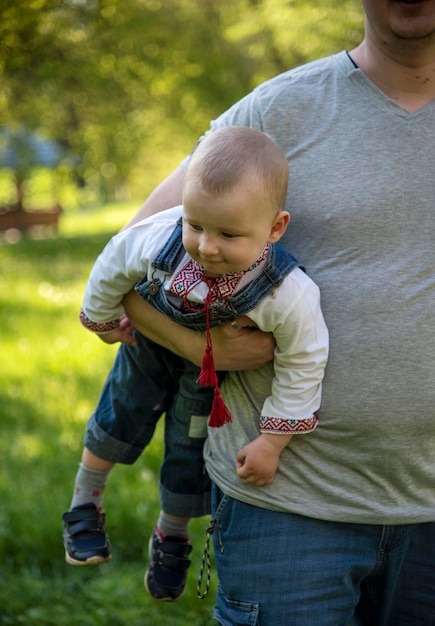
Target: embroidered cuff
{"points": [[281, 426], [98, 327]]}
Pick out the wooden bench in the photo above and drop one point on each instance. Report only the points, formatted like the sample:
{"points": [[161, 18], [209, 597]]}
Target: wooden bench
{"points": [[26, 220]]}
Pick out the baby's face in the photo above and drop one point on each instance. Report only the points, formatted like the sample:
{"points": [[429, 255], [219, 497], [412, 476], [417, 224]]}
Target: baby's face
{"points": [[226, 233]]}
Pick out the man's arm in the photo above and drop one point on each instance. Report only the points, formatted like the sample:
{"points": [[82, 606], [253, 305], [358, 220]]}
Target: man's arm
{"points": [[232, 349], [165, 196]]}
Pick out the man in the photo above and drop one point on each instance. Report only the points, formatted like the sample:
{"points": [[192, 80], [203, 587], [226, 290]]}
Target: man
{"points": [[346, 532]]}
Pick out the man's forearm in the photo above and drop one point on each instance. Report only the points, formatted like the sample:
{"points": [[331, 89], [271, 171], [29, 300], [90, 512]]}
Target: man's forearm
{"points": [[165, 196], [162, 330], [243, 349]]}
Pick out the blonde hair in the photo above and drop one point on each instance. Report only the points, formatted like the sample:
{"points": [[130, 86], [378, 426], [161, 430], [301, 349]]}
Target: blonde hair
{"points": [[225, 156]]}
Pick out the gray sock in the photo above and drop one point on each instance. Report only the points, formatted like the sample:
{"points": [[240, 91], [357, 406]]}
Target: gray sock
{"points": [[89, 487], [167, 525]]}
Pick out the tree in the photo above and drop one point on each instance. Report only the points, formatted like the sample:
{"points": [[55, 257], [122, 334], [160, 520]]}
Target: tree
{"points": [[123, 85]]}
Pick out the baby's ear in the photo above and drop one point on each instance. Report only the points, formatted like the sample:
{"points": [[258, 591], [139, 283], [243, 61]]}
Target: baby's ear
{"points": [[279, 226]]}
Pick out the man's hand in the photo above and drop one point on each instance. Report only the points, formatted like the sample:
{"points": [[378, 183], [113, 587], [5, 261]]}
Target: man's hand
{"points": [[244, 348]]}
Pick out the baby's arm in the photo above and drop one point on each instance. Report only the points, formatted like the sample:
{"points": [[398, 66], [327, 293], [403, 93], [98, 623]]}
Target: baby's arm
{"points": [[120, 265], [258, 461]]}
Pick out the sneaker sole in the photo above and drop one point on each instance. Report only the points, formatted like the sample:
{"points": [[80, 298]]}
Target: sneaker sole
{"points": [[166, 599], [92, 561]]}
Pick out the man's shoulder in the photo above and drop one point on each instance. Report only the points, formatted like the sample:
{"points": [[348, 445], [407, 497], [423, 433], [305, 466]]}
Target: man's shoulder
{"points": [[303, 75]]}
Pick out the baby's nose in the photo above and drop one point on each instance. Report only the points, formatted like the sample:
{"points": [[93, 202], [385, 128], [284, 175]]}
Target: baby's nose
{"points": [[208, 245]]}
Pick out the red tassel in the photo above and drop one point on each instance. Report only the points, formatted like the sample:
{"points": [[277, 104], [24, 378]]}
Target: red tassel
{"points": [[220, 414], [207, 376]]}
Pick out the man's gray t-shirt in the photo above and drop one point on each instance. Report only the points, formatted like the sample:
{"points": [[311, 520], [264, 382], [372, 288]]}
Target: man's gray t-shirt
{"points": [[362, 201]]}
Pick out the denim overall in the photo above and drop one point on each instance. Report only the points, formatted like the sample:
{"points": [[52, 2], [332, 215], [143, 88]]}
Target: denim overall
{"points": [[148, 380]]}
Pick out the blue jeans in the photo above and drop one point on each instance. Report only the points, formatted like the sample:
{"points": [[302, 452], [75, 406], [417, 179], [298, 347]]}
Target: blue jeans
{"points": [[145, 382], [279, 569]]}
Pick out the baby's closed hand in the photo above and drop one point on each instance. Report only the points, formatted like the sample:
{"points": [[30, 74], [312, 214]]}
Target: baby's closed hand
{"points": [[123, 333], [118, 334], [257, 462]]}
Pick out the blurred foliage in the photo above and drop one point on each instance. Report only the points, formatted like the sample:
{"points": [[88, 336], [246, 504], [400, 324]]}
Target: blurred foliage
{"points": [[127, 87]]}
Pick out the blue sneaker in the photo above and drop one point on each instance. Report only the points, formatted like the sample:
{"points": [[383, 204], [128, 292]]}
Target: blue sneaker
{"points": [[165, 578], [84, 536]]}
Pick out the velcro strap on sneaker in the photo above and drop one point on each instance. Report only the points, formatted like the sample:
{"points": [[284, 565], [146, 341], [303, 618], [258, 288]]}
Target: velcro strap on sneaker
{"points": [[173, 562], [85, 526], [83, 521], [81, 514], [177, 549]]}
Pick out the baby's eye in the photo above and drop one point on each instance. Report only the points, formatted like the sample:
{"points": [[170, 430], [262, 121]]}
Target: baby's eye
{"points": [[228, 235], [195, 227]]}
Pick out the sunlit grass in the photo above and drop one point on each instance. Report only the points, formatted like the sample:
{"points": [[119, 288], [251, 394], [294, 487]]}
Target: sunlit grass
{"points": [[51, 372]]}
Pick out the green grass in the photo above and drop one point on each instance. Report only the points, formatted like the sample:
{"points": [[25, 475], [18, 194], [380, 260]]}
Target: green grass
{"points": [[51, 372]]}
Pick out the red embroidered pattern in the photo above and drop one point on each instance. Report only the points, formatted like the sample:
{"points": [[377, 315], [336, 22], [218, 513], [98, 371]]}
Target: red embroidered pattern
{"points": [[288, 427], [184, 280], [192, 274], [223, 287], [98, 327]]}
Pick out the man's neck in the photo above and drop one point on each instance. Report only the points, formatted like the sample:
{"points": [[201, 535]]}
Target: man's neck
{"points": [[408, 79]]}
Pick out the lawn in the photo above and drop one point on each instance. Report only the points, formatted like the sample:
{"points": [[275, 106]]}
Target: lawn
{"points": [[51, 372]]}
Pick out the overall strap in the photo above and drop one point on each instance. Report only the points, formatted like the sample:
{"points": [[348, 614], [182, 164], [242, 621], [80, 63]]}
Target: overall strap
{"points": [[279, 264], [171, 253]]}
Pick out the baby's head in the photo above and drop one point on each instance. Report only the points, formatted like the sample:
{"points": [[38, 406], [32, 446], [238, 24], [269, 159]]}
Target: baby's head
{"points": [[234, 194], [230, 156]]}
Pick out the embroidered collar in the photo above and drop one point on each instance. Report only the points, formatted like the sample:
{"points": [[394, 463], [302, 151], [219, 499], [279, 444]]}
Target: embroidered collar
{"points": [[193, 273]]}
